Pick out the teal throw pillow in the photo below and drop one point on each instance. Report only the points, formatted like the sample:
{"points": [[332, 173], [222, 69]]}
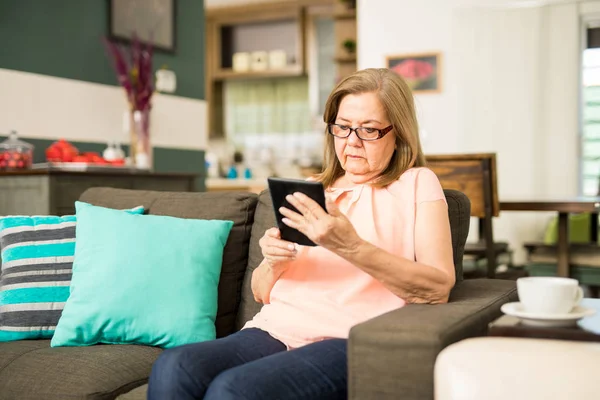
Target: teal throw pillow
{"points": [[142, 279], [36, 257]]}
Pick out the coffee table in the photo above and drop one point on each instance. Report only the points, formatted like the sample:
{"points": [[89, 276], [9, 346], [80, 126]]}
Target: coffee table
{"points": [[586, 330]]}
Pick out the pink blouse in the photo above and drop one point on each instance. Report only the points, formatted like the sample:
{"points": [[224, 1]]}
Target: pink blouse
{"points": [[321, 295]]}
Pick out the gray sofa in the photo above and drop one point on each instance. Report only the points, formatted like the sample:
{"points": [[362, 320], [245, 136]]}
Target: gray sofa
{"points": [[390, 357]]}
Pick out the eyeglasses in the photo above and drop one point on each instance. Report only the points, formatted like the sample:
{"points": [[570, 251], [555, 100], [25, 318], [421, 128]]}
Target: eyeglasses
{"points": [[367, 134]]}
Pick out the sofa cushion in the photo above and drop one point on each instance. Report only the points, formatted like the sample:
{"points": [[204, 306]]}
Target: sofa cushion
{"points": [[36, 254], [11, 351], [31, 370], [264, 219], [139, 393], [459, 214], [238, 207], [144, 260]]}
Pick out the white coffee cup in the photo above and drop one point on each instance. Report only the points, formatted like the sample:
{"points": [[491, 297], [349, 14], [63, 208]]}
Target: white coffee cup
{"points": [[549, 295]]}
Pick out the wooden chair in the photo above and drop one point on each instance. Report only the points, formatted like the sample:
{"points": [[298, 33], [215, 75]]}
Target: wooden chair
{"points": [[475, 176]]}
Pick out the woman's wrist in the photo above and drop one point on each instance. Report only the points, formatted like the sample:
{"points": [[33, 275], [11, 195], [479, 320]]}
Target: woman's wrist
{"points": [[354, 248], [273, 273], [264, 278]]}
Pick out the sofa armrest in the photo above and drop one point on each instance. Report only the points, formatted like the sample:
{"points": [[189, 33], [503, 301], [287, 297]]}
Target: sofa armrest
{"points": [[393, 356]]}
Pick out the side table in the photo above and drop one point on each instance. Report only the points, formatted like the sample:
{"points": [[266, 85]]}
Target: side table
{"points": [[586, 330]]}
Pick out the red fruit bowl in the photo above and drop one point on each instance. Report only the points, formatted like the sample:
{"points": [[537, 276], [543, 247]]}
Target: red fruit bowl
{"points": [[61, 151]]}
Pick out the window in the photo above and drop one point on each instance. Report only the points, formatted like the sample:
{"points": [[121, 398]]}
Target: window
{"points": [[590, 138]]}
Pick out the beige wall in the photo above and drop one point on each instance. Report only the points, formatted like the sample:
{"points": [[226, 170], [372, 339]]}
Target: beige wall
{"points": [[47, 107], [511, 86]]}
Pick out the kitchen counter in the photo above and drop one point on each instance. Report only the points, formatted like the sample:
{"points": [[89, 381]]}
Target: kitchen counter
{"points": [[48, 192]]}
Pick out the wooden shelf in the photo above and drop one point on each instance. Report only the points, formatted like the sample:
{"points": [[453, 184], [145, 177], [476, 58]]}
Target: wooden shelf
{"points": [[346, 14], [227, 74], [345, 58], [344, 29]]}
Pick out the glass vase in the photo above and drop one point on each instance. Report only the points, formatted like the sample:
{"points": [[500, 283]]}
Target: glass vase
{"points": [[140, 148], [15, 154]]}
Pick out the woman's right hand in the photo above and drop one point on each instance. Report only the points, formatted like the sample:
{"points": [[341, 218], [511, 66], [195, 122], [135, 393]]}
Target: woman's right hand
{"points": [[277, 253]]}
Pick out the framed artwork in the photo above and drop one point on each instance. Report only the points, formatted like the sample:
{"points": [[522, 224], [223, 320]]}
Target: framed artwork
{"points": [[422, 72], [153, 21]]}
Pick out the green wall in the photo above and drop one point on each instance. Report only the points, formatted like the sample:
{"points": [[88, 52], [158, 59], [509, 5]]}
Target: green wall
{"points": [[63, 38]]}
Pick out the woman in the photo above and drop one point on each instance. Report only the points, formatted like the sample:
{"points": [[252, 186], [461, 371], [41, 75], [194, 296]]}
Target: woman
{"points": [[384, 241]]}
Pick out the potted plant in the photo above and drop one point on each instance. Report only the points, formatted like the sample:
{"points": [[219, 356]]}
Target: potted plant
{"points": [[349, 45]]}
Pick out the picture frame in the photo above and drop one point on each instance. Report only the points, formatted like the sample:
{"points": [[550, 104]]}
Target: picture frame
{"points": [[153, 21], [421, 71]]}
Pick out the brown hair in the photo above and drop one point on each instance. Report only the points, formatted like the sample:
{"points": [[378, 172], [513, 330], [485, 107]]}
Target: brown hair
{"points": [[397, 100]]}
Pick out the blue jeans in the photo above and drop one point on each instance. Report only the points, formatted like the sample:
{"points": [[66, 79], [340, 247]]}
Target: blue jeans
{"points": [[251, 365]]}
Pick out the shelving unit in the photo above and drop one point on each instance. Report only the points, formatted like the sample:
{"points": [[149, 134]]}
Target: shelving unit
{"points": [[345, 59], [345, 14], [345, 29], [276, 25], [228, 73], [249, 28]]}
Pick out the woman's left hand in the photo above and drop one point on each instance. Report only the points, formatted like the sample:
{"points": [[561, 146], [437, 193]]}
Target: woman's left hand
{"points": [[331, 230]]}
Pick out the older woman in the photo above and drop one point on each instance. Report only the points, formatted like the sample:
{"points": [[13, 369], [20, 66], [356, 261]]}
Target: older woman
{"points": [[384, 241]]}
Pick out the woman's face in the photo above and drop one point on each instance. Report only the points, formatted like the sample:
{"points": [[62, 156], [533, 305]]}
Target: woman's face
{"points": [[363, 160]]}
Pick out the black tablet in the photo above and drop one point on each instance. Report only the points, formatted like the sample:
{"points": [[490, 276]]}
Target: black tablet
{"points": [[280, 188]]}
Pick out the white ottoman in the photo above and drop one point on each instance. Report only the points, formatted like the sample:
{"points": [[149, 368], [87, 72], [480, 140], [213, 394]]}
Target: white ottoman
{"points": [[490, 368]]}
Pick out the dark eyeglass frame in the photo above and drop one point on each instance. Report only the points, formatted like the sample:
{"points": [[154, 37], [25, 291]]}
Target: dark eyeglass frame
{"points": [[380, 132]]}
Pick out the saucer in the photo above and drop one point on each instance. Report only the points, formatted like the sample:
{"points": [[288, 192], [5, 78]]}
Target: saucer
{"points": [[515, 309]]}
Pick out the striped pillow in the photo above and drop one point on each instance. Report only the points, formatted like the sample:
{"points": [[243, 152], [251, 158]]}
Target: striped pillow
{"points": [[36, 255]]}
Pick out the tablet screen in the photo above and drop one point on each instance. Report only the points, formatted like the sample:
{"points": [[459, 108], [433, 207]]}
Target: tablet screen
{"points": [[280, 188]]}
